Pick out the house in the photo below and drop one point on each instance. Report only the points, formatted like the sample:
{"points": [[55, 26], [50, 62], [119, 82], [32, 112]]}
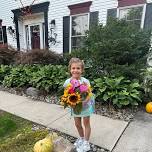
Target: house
{"points": [[60, 24]]}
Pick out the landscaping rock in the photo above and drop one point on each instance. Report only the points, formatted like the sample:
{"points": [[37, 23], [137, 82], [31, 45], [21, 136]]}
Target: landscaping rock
{"points": [[32, 92], [63, 145]]}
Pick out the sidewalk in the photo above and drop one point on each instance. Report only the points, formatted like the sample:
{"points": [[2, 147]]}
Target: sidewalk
{"points": [[105, 131], [138, 135]]}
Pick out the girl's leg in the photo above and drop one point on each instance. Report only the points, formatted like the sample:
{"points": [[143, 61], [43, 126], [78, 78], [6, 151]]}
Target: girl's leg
{"points": [[87, 130], [79, 126]]}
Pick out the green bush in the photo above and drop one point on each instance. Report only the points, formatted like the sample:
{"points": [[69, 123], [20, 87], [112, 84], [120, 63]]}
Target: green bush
{"points": [[147, 83], [19, 76], [4, 71], [49, 77], [117, 90], [119, 44], [115, 49]]}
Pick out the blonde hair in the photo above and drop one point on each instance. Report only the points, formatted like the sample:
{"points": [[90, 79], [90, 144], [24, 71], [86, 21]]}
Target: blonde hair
{"points": [[76, 60]]}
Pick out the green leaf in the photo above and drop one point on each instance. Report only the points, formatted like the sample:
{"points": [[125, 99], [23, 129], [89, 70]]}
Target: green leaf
{"points": [[124, 102], [134, 85], [105, 97], [102, 89], [134, 103], [115, 101], [135, 96]]}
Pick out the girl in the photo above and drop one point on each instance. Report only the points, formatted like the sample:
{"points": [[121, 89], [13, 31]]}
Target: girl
{"points": [[76, 68]]}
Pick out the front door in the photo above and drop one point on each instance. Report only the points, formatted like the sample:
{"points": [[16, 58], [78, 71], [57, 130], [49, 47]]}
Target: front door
{"points": [[34, 36]]}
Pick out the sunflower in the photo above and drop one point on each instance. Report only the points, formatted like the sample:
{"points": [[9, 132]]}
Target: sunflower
{"points": [[64, 99], [74, 99]]}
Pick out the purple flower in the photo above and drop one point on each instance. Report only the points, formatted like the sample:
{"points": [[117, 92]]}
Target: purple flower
{"points": [[83, 88], [75, 83]]}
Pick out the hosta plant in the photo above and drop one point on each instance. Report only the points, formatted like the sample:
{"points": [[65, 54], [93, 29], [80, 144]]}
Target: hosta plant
{"points": [[117, 90], [49, 77], [147, 83]]}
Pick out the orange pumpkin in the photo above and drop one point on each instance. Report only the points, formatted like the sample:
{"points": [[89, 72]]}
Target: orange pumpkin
{"points": [[149, 107]]}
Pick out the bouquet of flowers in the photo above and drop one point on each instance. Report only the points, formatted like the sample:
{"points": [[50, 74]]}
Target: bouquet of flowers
{"points": [[75, 94]]}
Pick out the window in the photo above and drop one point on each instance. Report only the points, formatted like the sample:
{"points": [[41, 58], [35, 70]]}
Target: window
{"points": [[132, 15], [1, 35], [79, 26]]}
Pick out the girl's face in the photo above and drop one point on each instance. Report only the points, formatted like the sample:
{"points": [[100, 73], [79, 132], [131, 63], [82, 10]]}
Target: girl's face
{"points": [[76, 70]]}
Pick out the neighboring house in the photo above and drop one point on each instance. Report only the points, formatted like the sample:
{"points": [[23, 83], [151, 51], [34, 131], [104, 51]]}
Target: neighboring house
{"points": [[61, 24]]}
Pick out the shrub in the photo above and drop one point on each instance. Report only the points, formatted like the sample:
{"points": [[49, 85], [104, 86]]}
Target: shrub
{"points": [[4, 71], [7, 56], [119, 44], [38, 56], [49, 78], [115, 49], [117, 90], [19, 76], [147, 83]]}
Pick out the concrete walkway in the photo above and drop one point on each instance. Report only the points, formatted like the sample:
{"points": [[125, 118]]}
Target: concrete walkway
{"points": [[105, 131], [138, 135]]}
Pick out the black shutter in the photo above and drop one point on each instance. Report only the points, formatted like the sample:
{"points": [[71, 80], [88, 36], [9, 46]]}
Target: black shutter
{"points": [[94, 19], [66, 33], [148, 16], [4, 34], [111, 13]]}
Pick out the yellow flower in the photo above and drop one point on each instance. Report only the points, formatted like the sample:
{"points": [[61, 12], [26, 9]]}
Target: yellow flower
{"points": [[74, 99], [64, 99], [69, 85], [66, 92]]}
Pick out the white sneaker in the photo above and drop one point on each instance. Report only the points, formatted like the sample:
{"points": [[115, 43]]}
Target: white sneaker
{"points": [[78, 142], [85, 146], [79, 150]]}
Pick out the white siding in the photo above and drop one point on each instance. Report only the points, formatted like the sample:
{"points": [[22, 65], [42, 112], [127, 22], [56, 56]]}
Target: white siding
{"points": [[5, 15], [149, 1], [57, 9]]}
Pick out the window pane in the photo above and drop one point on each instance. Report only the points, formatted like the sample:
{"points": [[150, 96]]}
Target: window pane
{"points": [[132, 15], [123, 13], [77, 42], [135, 23], [1, 35], [79, 24]]}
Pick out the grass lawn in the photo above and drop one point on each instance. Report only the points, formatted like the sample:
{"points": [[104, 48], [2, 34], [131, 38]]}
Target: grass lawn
{"points": [[16, 134]]}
